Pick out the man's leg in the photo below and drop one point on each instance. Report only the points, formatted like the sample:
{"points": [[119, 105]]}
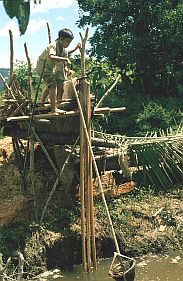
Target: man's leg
{"points": [[52, 95], [60, 91], [45, 93]]}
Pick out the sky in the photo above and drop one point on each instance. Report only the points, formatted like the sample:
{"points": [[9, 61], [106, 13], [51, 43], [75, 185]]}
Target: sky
{"points": [[58, 13]]}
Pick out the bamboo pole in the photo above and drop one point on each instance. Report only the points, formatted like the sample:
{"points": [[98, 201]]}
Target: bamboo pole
{"points": [[96, 169], [83, 163], [82, 51], [49, 33], [87, 175], [11, 54], [45, 151], [29, 72], [108, 91], [90, 185], [82, 192], [32, 175]]}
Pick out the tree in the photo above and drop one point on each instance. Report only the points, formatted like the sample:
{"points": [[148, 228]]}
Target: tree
{"points": [[21, 10], [144, 36]]}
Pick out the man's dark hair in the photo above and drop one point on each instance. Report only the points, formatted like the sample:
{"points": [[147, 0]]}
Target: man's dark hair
{"points": [[65, 33]]}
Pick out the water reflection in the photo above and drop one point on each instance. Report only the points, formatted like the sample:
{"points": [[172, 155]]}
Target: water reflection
{"points": [[148, 268]]}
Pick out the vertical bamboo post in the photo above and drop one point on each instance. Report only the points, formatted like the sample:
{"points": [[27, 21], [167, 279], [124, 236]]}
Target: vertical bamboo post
{"points": [[49, 33], [82, 188], [82, 193], [83, 158], [11, 54], [29, 72], [87, 177]]}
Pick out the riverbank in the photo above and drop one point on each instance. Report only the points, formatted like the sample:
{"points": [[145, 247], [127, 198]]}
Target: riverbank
{"points": [[145, 219]]}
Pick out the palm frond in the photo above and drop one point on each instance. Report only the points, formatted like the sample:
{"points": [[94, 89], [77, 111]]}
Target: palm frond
{"points": [[158, 158]]}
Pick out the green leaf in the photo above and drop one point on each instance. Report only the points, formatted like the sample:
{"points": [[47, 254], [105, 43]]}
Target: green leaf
{"points": [[11, 8], [19, 9]]}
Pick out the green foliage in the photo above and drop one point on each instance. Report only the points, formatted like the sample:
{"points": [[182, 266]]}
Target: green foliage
{"points": [[21, 70], [19, 9], [156, 117], [144, 36], [101, 74], [62, 220], [13, 237]]}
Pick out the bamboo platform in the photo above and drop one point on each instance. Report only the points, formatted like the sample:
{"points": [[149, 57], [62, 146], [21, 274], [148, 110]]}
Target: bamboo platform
{"points": [[62, 128]]}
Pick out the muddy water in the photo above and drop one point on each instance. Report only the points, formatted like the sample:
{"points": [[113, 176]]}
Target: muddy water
{"points": [[149, 268]]}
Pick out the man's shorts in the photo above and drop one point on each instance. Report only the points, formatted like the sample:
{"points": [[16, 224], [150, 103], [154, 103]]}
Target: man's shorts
{"points": [[51, 77]]}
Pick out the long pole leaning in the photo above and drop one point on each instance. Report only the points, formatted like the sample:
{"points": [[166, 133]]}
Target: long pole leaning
{"points": [[96, 169]]}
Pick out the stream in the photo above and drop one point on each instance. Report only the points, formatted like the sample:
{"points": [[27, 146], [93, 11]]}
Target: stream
{"points": [[148, 268]]}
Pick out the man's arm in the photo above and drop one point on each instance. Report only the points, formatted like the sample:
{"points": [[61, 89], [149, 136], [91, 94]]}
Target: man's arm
{"points": [[78, 46], [62, 59]]}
